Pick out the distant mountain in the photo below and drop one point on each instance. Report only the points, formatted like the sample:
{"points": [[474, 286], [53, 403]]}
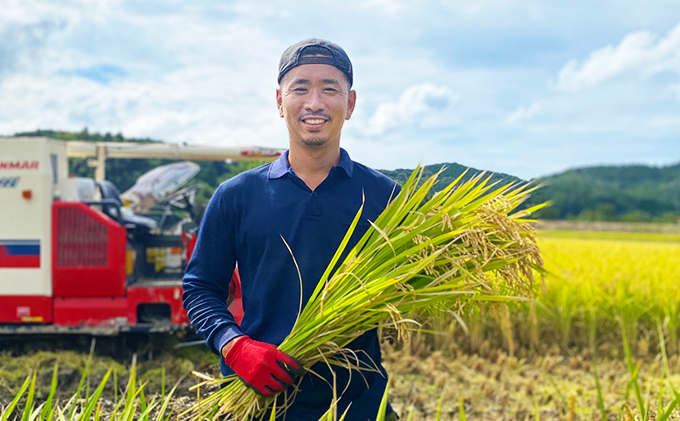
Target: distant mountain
{"points": [[451, 172], [635, 193]]}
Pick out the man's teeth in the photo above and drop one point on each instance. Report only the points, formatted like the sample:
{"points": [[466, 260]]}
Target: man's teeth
{"points": [[314, 121]]}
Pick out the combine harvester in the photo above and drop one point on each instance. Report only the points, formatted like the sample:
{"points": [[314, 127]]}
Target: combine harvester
{"points": [[78, 257]]}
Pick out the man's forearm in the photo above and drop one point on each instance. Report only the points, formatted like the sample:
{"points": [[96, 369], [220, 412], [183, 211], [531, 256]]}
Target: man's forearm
{"points": [[208, 312]]}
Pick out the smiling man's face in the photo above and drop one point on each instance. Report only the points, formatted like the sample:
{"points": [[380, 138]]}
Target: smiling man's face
{"points": [[315, 101]]}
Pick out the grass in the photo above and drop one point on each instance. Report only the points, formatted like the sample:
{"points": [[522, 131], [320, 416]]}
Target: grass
{"points": [[86, 404], [600, 340], [133, 404], [496, 386], [424, 384]]}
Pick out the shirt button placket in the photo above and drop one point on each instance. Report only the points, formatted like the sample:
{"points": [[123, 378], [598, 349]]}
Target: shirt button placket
{"points": [[314, 208]]}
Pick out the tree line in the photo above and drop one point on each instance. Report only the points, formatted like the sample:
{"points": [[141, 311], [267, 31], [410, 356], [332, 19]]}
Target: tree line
{"points": [[632, 193]]}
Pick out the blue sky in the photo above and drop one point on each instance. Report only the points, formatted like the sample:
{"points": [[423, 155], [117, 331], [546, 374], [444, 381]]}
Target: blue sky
{"points": [[528, 88]]}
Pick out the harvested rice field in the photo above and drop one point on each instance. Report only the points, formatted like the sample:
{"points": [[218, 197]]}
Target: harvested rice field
{"points": [[599, 341]]}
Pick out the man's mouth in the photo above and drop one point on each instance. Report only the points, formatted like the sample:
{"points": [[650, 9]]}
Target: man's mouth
{"points": [[314, 123], [314, 120]]}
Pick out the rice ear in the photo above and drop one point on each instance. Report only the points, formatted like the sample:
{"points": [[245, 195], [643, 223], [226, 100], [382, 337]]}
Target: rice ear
{"points": [[461, 243]]}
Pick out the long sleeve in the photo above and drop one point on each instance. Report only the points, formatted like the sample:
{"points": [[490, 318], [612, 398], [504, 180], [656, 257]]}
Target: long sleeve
{"points": [[206, 282]]}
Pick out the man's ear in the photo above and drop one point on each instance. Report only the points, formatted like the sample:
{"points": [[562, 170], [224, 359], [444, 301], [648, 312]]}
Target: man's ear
{"points": [[279, 102], [351, 102]]}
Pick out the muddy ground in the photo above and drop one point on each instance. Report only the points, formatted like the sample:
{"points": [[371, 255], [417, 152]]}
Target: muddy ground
{"points": [[494, 386]]}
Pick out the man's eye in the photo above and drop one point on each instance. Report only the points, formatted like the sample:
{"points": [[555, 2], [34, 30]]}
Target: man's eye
{"points": [[331, 90], [300, 90]]}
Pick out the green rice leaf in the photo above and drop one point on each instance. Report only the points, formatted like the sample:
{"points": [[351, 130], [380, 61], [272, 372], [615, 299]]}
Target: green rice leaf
{"points": [[28, 407], [462, 242]]}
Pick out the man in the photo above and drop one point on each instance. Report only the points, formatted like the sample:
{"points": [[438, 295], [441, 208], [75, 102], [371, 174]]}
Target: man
{"points": [[308, 197]]}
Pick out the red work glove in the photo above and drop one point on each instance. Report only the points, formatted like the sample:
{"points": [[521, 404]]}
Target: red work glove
{"points": [[261, 366]]}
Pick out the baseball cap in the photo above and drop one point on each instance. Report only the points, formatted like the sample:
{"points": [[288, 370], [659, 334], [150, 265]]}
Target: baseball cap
{"points": [[315, 51]]}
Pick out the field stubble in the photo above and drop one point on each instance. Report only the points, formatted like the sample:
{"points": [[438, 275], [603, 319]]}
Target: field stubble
{"points": [[529, 361], [493, 387]]}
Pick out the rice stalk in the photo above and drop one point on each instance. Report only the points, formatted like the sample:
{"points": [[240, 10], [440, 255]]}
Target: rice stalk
{"points": [[463, 243], [634, 370]]}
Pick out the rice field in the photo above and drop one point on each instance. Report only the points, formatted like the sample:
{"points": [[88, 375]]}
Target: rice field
{"points": [[599, 341], [609, 282]]}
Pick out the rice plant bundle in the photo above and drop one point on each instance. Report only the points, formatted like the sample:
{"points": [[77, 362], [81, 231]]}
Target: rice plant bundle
{"points": [[464, 242]]}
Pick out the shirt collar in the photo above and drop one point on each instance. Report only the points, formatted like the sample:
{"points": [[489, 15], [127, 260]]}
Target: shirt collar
{"points": [[281, 166], [346, 163]]}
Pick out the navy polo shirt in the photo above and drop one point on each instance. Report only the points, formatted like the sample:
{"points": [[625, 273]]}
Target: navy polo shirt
{"points": [[246, 221]]}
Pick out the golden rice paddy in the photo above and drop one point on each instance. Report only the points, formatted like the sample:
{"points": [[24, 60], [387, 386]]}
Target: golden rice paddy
{"points": [[598, 341], [563, 355]]}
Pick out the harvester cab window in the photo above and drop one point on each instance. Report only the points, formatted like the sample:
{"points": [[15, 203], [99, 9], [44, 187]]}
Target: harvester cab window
{"points": [[55, 176]]}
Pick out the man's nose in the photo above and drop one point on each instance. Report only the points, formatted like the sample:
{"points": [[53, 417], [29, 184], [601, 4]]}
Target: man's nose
{"points": [[314, 101]]}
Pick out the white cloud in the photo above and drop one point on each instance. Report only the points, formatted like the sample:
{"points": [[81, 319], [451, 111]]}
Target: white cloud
{"points": [[187, 78], [185, 106], [424, 105], [23, 12], [675, 88], [481, 6], [523, 113], [27, 28], [663, 122], [637, 51], [392, 7], [205, 72]]}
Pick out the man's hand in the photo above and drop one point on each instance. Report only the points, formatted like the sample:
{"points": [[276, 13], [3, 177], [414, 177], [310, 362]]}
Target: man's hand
{"points": [[261, 366]]}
